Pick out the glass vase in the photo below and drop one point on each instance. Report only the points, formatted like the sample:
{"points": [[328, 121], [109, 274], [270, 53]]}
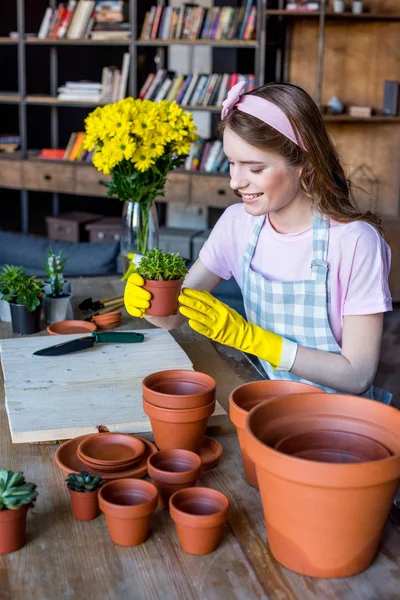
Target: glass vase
{"points": [[139, 230]]}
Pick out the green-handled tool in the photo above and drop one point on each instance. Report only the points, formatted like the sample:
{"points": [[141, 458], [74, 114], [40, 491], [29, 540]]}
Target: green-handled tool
{"points": [[119, 337]]}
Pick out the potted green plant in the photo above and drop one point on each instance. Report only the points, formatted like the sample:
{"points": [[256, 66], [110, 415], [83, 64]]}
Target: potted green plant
{"points": [[83, 489], [24, 295], [163, 273], [57, 302], [16, 497]]}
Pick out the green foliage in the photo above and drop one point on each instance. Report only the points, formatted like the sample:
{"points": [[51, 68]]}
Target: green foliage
{"points": [[84, 482], [16, 287], [157, 265], [14, 491], [54, 270]]}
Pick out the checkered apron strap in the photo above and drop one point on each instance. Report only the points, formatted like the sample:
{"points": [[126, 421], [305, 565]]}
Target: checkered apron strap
{"points": [[319, 265]]}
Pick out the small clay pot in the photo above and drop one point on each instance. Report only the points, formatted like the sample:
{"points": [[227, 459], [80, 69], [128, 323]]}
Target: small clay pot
{"points": [[243, 398], [333, 447], [199, 515], [183, 429], [164, 297], [178, 389], [85, 505], [324, 520], [128, 505], [173, 470], [12, 529]]}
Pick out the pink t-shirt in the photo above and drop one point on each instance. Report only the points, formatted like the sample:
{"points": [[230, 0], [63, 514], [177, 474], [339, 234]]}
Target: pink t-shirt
{"points": [[358, 258]]}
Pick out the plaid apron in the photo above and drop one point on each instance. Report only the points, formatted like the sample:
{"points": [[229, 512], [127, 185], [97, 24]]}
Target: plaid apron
{"points": [[296, 310]]}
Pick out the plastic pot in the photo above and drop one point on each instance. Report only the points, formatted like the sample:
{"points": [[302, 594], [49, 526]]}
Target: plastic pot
{"points": [[164, 297], [178, 389], [85, 505], [128, 505], [12, 529], [324, 520], [173, 470], [199, 515], [243, 398], [24, 321], [182, 429]]}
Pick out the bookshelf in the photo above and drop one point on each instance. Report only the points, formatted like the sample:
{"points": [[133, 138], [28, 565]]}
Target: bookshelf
{"points": [[79, 178]]}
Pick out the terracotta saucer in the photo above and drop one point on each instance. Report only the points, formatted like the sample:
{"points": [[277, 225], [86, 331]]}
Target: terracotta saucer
{"points": [[67, 459], [111, 449], [67, 327], [210, 453]]}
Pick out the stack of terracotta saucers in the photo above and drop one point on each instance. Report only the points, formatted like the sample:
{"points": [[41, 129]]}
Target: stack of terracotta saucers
{"points": [[109, 320], [110, 452]]}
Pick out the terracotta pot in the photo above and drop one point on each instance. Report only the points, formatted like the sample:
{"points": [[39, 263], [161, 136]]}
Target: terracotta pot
{"points": [[128, 505], [85, 505], [164, 297], [199, 515], [12, 529], [173, 470], [182, 429], [324, 520], [178, 389], [245, 397], [333, 447]]}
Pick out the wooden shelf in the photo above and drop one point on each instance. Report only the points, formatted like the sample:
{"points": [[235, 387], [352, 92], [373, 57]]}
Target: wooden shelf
{"points": [[9, 98], [199, 42], [53, 101], [350, 119], [8, 41], [80, 42], [331, 15]]}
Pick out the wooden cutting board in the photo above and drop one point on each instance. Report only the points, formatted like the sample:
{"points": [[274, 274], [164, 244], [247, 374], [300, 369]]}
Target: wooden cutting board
{"points": [[60, 397]]}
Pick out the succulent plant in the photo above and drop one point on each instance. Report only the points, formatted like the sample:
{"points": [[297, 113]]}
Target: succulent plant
{"points": [[84, 482], [15, 491]]}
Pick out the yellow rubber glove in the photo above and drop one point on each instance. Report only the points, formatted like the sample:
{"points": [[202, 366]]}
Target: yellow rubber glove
{"points": [[136, 299], [217, 321]]}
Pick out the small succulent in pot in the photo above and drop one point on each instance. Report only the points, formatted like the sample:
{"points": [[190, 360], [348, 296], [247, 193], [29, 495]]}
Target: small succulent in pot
{"points": [[163, 273], [54, 267], [16, 497], [57, 303], [84, 482]]}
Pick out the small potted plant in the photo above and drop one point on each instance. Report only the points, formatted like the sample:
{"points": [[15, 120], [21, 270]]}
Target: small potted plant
{"points": [[163, 273], [83, 489], [16, 497], [57, 302], [24, 295]]}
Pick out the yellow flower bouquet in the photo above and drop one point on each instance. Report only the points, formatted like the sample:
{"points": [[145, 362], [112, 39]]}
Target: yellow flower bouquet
{"points": [[138, 142]]}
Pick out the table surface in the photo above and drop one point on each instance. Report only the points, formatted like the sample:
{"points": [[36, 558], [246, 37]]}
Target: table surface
{"points": [[66, 558]]}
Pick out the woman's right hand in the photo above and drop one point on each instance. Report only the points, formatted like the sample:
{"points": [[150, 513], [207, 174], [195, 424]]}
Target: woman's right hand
{"points": [[136, 299]]}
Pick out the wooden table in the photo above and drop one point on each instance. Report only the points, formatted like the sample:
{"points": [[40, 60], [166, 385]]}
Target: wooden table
{"points": [[65, 558]]}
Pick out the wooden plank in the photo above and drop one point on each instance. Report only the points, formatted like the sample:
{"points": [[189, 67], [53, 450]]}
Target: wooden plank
{"points": [[66, 396]]}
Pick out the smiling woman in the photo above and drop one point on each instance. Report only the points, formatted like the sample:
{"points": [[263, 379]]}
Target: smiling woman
{"points": [[312, 268]]}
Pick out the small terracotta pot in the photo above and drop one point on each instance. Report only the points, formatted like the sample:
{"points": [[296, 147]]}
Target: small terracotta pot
{"points": [[128, 505], [85, 505], [173, 470], [164, 297], [243, 398], [182, 429], [333, 447], [12, 529], [199, 515], [324, 520], [178, 389]]}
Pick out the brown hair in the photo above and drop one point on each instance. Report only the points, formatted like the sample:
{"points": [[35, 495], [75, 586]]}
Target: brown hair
{"points": [[323, 179]]}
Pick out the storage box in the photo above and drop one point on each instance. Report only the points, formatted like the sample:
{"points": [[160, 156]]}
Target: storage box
{"points": [[198, 241], [107, 229], [172, 239], [70, 227]]}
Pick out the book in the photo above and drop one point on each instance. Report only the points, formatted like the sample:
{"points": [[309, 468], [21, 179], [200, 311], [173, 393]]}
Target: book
{"points": [[65, 23], [44, 27], [77, 145], [60, 17], [69, 146], [123, 85], [146, 85]]}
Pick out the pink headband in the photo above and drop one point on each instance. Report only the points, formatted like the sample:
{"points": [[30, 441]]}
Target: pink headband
{"points": [[262, 109]]}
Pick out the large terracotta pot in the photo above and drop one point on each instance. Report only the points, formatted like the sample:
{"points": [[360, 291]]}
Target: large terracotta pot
{"points": [[173, 470], [183, 429], [178, 389], [164, 297], [199, 515], [243, 398], [128, 505], [85, 505], [322, 519], [12, 529]]}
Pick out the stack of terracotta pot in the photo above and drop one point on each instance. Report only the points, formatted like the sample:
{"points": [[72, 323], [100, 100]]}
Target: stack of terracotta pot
{"points": [[109, 320], [327, 466]]}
